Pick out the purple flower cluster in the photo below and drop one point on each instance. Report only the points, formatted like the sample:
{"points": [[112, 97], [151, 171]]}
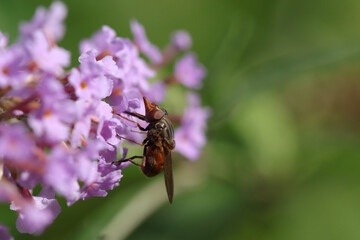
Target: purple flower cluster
{"points": [[60, 130]]}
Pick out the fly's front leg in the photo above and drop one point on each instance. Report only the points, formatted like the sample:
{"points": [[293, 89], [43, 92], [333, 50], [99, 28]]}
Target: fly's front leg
{"points": [[135, 115], [139, 116]]}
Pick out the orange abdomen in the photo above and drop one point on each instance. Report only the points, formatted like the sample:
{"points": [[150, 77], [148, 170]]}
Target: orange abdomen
{"points": [[153, 160]]}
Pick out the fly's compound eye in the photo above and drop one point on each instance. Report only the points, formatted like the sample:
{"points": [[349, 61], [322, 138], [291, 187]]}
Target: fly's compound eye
{"points": [[164, 110]]}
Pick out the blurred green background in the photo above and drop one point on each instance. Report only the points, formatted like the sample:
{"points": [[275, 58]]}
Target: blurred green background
{"points": [[282, 159]]}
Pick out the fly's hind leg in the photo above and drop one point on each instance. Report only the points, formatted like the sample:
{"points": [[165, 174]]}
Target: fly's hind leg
{"points": [[128, 160]]}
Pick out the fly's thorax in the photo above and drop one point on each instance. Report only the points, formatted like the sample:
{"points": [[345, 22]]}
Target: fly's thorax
{"points": [[165, 128], [160, 131]]}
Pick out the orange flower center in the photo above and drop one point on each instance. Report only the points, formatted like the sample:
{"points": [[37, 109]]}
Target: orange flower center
{"points": [[5, 71], [47, 113], [83, 85]]}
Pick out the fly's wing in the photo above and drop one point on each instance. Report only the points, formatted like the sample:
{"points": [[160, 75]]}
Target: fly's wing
{"points": [[168, 174]]}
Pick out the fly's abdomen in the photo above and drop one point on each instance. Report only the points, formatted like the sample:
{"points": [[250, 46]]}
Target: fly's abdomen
{"points": [[153, 161]]}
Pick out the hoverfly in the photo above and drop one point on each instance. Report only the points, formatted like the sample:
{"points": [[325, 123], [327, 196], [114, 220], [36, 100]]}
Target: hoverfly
{"points": [[157, 145]]}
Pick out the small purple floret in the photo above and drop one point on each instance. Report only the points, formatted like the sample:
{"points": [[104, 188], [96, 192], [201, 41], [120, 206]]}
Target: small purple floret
{"points": [[189, 71], [145, 46], [51, 22], [4, 233], [3, 40], [35, 216], [61, 174], [49, 58], [15, 143], [181, 40]]}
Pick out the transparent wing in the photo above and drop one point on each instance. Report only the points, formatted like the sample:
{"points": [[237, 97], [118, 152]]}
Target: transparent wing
{"points": [[168, 174]]}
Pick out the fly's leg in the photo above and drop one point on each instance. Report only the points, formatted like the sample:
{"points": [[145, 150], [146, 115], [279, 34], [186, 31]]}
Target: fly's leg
{"points": [[138, 132], [128, 160], [135, 114], [139, 126], [130, 140]]}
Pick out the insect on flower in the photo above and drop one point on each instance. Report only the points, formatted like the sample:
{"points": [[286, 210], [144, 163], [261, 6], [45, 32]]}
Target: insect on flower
{"points": [[157, 145]]}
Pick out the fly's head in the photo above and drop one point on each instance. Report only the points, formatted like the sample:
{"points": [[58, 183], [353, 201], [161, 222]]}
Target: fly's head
{"points": [[153, 113]]}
